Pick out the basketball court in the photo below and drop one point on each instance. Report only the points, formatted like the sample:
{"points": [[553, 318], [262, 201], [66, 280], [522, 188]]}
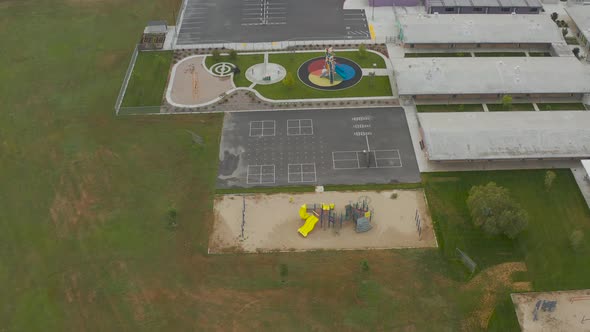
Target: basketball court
{"points": [[316, 147]]}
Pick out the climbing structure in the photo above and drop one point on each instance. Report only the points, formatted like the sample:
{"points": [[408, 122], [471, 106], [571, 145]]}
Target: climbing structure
{"points": [[359, 212]]}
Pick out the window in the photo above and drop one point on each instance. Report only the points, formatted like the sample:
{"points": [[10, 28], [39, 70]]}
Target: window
{"points": [[506, 10], [449, 9], [533, 10], [477, 9]]}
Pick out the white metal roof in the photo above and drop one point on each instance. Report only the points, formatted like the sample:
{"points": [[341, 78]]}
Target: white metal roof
{"points": [[474, 28], [586, 164], [504, 75], [581, 16], [506, 135]]}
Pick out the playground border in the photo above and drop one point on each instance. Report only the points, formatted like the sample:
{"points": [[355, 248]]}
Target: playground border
{"points": [[251, 89]]}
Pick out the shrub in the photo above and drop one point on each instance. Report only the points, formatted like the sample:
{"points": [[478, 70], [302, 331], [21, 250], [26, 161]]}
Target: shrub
{"points": [[576, 52], [362, 50], [549, 178], [233, 54], [365, 266], [507, 102], [288, 81], [283, 271], [554, 16], [215, 53], [564, 32]]}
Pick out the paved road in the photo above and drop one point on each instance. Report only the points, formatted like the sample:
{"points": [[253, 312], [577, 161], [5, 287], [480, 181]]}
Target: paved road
{"points": [[218, 21], [316, 147]]}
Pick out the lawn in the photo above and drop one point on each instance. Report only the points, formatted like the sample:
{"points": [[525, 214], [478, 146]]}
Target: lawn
{"points": [[243, 62], [561, 106], [516, 107], [450, 108], [499, 54], [86, 245], [438, 55], [544, 246], [379, 86], [539, 54], [572, 41], [148, 80]]}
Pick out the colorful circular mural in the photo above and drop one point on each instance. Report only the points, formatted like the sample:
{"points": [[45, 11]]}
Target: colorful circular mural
{"points": [[316, 74]]}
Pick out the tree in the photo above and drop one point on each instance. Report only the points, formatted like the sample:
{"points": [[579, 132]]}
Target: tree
{"points": [[215, 53], [564, 32], [554, 16], [289, 81], [549, 177], [507, 102], [576, 239], [233, 54], [576, 52], [283, 271], [362, 50], [492, 209]]}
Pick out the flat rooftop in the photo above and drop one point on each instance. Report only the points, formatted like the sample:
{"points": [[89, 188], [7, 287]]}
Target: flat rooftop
{"points": [[504, 75], [477, 28], [581, 16], [506, 135]]}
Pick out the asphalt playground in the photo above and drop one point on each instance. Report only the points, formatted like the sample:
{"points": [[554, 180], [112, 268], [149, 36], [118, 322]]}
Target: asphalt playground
{"points": [[316, 147], [220, 21]]}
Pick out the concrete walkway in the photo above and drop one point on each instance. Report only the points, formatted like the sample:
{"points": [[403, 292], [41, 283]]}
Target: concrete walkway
{"points": [[584, 185]]}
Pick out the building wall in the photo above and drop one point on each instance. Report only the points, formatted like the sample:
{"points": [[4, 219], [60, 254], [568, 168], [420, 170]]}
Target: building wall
{"points": [[464, 98], [483, 46], [384, 3]]}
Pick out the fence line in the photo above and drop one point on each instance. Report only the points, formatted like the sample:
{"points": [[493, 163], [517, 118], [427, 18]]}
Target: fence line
{"points": [[126, 79], [282, 45]]}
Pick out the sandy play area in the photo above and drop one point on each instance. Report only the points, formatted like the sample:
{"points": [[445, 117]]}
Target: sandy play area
{"points": [[271, 222], [182, 89], [553, 311]]}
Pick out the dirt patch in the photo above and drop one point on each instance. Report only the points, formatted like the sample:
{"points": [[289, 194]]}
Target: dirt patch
{"points": [[108, 60], [271, 222], [76, 192], [192, 84], [491, 281], [553, 311]]}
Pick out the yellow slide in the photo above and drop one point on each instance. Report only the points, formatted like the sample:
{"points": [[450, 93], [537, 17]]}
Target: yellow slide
{"points": [[303, 212], [308, 226]]}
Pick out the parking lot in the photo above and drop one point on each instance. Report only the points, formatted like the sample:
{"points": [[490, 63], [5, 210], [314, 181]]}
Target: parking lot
{"points": [[219, 21], [316, 147]]}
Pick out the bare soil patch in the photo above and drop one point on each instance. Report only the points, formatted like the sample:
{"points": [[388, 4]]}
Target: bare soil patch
{"points": [[271, 222]]}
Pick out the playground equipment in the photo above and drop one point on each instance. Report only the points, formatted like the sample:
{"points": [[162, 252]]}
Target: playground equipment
{"points": [[360, 213], [195, 86], [266, 73], [332, 68], [310, 221]]}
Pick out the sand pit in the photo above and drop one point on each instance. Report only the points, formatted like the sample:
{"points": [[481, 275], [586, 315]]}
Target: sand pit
{"points": [[271, 222], [182, 91], [553, 311]]}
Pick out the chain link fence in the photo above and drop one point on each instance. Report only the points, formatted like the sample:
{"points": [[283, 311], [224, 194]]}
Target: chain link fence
{"points": [[126, 80]]}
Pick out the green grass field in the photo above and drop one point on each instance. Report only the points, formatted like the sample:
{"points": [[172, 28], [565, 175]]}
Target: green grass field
{"points": [[450, 108], [379, 86], [544, 246], [85, 241], [561, 106], [438, 55], [539, 54], [515, 107], [148, 80], [499, 54]]}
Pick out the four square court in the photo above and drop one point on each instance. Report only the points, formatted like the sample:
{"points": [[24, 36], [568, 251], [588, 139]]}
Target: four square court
{"points": [[316, 147]]}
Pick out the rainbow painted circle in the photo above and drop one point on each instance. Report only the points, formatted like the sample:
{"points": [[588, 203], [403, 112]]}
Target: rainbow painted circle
{"points": [[314, 74]]}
